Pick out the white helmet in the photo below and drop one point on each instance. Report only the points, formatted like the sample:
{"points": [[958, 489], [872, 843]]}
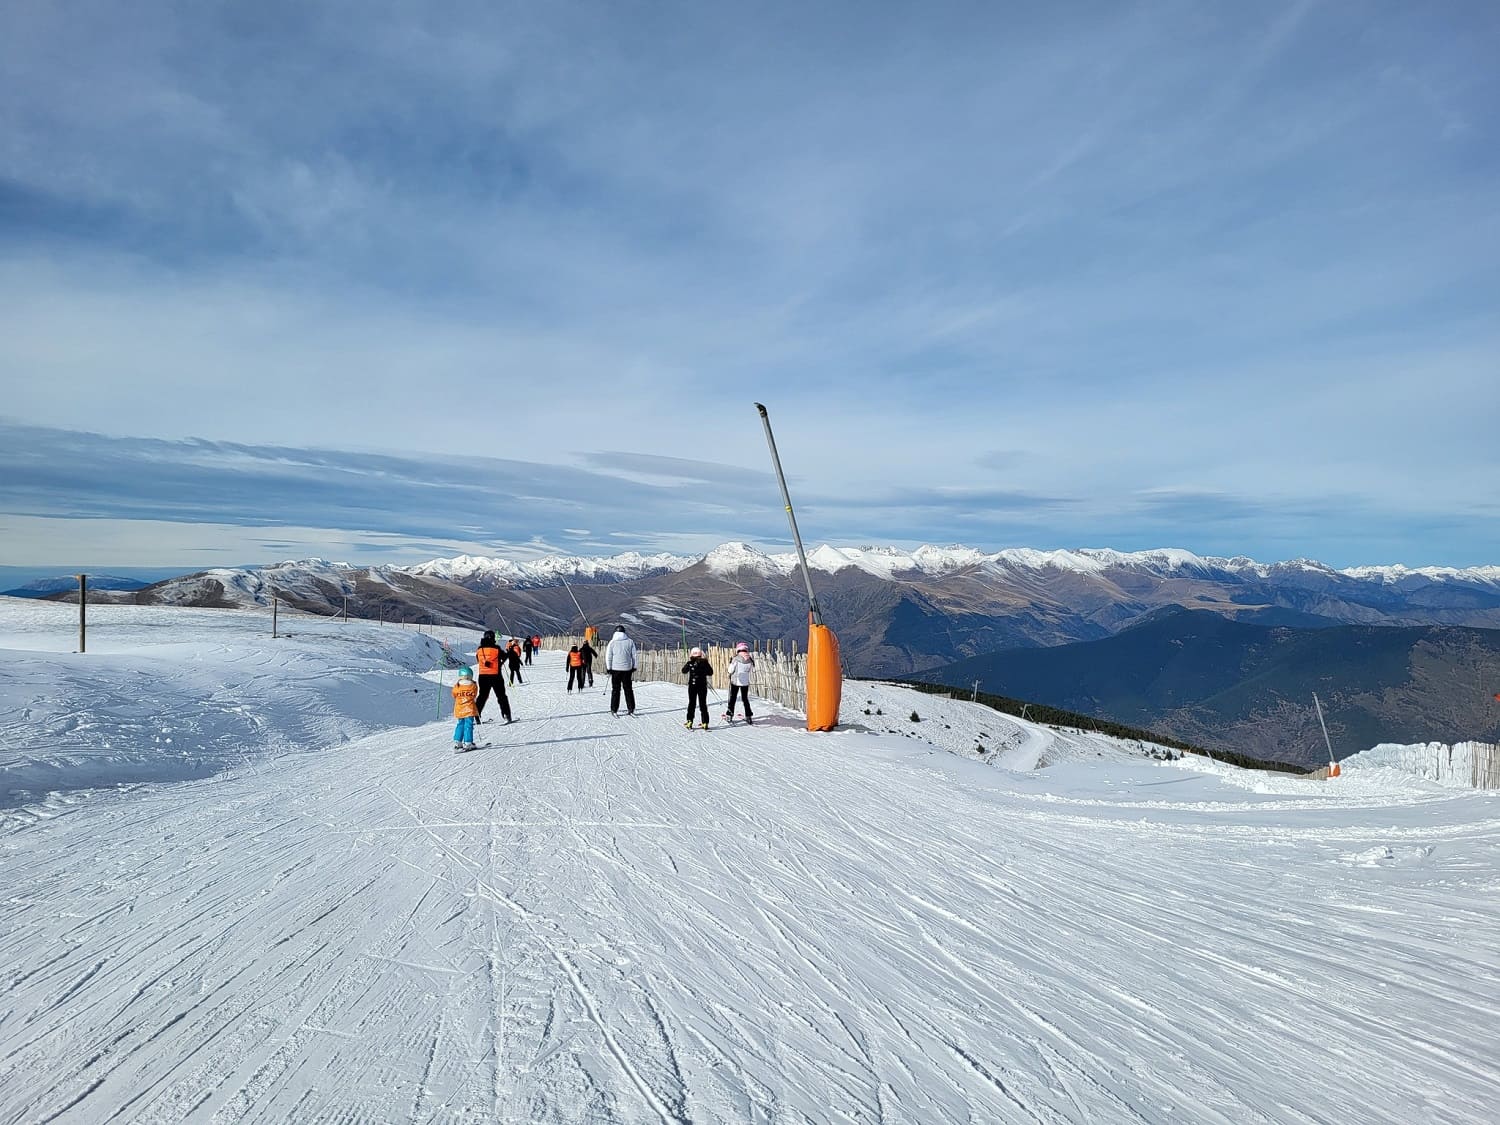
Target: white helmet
{"points": [[696, 652]]}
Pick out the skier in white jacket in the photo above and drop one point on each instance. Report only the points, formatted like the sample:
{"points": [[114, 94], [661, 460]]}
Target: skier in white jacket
{"points": [[741, 668], [619, 662]]}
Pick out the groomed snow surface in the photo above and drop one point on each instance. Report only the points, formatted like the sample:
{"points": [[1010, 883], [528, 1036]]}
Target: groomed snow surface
{"points": [[291, 902]]}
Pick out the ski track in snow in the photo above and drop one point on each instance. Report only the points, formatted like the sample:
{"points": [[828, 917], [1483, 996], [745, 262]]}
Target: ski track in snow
{"points": [[604, 919]]}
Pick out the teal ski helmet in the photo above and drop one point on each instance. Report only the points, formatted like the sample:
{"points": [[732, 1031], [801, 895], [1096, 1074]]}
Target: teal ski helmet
{"points": [[466, 673]]}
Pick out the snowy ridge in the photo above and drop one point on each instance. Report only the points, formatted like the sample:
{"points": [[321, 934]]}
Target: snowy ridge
{"points": [[252, 586], [1394, 575], [551, 570], [255, 586]]}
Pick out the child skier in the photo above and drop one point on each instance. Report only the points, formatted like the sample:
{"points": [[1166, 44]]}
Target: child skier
{"points": [[575, 668], [741, 668], [699, 672], [513, 660], [465, 692]]}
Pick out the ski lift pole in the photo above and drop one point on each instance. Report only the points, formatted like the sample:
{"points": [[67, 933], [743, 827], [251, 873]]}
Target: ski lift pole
{"points": [[1333, 766]]}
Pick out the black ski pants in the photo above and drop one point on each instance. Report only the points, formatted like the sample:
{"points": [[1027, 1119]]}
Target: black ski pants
{"points": [[739, 691], [698, 693], [575, 675], [588, 667], [515, 672], [618, 680], [495, 683]]}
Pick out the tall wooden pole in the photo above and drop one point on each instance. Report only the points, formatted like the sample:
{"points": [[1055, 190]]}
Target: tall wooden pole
{"points": [[273, 617], [83, 603]]}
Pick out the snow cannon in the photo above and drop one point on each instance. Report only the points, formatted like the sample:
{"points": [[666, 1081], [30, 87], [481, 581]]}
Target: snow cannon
{"points": [[825, 678], [1333, 763]]}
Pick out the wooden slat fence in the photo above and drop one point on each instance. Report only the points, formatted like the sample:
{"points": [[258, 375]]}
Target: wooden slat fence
{"points": [[780, 673], [1462, 763], [1484, 764]]}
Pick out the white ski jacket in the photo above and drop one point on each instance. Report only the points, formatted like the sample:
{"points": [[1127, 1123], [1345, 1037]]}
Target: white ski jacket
{"points": [[619, 654], [741, 668]]}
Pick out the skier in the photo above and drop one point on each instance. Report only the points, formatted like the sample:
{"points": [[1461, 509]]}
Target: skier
{"points": [[526, 647], [513, 658], [575, 668], [741, 668], [488, 657], [619, 662], [698, 671], [464, 693], [588, 652]]}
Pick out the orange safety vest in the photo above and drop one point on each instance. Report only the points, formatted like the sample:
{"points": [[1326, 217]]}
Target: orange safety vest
{"points": [[488, 659], [575, 659], [465, 692]]}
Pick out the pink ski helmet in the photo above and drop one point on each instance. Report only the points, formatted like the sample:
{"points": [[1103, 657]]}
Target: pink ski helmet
{"points": [[742, 647]]}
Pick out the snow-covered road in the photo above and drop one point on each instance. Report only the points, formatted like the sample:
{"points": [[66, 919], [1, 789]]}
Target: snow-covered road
{"points": [[616, 920]]}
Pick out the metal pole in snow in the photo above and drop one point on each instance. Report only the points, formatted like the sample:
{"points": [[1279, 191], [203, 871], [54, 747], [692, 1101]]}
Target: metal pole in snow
{"points": [[976, 692], [1326, 743], [812, 599], [83, 601], [576, 606]]}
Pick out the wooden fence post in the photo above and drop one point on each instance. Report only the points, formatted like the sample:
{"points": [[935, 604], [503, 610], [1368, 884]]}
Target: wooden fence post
{"points": [[83, 602]]}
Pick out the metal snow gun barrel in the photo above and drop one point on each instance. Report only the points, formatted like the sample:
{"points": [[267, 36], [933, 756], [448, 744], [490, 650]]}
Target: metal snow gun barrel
{"points": [[825, 678]]}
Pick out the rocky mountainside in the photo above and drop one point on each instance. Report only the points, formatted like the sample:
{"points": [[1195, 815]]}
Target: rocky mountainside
{"points": [[1209, 680], [896, 612]]}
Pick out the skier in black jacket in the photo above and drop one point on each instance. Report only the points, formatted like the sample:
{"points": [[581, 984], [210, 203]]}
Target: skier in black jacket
{"points": [[588, 653], [698, 671]]}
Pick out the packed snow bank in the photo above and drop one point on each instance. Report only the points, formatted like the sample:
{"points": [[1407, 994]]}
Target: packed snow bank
{"points": [[976, 731], [166, 693], [616, 920]]}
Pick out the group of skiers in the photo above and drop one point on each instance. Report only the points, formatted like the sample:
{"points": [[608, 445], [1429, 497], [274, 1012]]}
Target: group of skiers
{"points": [[700, 674], [469, 696]]}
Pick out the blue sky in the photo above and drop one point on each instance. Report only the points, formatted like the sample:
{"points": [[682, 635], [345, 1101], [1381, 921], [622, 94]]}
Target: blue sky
{"points": [[385, 281]]}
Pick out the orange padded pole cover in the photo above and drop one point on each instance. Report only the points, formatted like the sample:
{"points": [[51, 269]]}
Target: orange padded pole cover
{"points": [[825, 678]]}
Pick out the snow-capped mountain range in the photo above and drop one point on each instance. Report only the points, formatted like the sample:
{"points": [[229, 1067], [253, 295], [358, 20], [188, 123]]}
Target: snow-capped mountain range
{"points": [[481, 571], [897, 611], [892, 562]]}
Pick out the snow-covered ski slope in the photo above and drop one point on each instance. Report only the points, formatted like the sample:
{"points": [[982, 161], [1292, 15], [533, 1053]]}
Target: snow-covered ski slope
{"points": [[605, 919]]}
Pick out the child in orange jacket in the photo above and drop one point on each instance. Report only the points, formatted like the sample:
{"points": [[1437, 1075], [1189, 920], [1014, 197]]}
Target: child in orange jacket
{"points": [[465, 692]]}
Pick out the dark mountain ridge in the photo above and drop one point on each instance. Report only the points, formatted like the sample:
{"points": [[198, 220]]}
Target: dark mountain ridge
{"points": [[1210, 680]]}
